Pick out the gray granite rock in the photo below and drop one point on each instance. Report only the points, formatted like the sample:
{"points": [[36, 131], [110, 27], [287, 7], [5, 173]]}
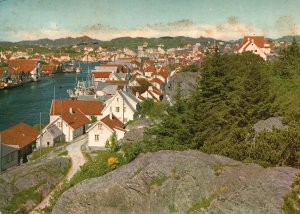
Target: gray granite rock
{"points": [[169, 181]]}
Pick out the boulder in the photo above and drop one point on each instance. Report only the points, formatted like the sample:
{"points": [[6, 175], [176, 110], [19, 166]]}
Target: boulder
{"points": [[182, 182]]}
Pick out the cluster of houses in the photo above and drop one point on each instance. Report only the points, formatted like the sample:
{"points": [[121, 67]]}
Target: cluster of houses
{"points": [[119, 87]]}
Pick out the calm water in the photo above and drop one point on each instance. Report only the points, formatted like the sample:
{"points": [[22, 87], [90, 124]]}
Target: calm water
{"points": [[24, 103]]}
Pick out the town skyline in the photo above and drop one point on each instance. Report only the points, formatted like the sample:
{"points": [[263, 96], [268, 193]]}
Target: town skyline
{"points": [[106, 20]]}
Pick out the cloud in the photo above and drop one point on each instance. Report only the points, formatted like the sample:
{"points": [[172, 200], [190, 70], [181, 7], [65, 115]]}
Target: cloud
{"points": [[231, 29]]}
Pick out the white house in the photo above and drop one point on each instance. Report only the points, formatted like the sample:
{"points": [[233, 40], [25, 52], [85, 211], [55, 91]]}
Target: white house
{"points": [[50, 135], [73, 124], [257, 45], [101, 131], [90, 108], [124, 105]]}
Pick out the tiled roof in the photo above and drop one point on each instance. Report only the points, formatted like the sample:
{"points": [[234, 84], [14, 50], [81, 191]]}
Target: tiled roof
{"points": [[21, 134], [101, 74], [76, 119], [88, 107], [21, 65], [112, 123], [159, 81]]}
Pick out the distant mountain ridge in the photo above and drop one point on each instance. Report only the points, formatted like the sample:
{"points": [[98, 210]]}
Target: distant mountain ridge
{"points": [[62, 42], [117, 42], [130, 42]]}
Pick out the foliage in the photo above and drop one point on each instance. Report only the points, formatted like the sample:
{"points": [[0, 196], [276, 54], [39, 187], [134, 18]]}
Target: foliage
{"points": [[93, 119], [190, 68], [22, 197], [288, 62], [46, 150], [291, 203], [152, 109], [205, 201], [93, 168], [113, 144], [112, 162], [172, 208]]}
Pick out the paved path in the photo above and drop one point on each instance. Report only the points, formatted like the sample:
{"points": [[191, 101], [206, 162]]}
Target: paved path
{"points": [[74, 152]]}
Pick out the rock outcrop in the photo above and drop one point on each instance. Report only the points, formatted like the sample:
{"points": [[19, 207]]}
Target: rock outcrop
{"points": [[181, 182], [30, 180], [187, 80]]}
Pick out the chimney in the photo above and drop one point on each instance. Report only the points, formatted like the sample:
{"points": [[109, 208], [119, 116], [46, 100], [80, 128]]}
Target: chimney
{"points": [[110, 116], [71, 110], [137, 94]]}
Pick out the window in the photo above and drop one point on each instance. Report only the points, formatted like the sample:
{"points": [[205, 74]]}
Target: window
{"points": [[59, 124], [124, 109], [117, 109], [99, 126], [96, 137], [12, 157]]}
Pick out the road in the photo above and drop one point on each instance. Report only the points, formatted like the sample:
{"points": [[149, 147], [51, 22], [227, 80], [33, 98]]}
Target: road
{"points": [[77, 158]]}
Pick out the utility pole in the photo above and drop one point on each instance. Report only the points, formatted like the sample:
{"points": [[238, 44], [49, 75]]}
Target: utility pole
{"points": [[0, 154], [40, 135]]}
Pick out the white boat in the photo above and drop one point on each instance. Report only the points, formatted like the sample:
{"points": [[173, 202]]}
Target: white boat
{"points": [[78, 68], [83, 87]]}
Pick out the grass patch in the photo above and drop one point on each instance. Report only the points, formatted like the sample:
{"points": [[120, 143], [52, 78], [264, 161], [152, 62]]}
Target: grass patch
{"points": [[205, 201], [45, 150], [172, 208], [157, 182], [64, 153], [219, 168], [93, 168], [138, 171], [23, 196], [291, 202]]}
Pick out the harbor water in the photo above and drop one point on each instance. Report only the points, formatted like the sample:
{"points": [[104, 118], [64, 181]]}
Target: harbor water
{"points": [[24, 103]]}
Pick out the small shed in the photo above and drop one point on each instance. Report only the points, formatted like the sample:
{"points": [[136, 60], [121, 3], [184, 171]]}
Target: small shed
{"points": [[50, 136]]}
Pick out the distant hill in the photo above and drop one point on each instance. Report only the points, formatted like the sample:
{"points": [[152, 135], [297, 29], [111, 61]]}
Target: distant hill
{"points": [[63, 42], [288, 38], [117, 42]]}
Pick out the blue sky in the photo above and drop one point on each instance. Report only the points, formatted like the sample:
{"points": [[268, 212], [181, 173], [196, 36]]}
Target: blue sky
{"points": [[107, 19]]}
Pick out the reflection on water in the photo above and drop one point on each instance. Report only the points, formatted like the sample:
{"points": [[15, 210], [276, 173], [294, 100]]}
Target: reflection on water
{"points": [[24, 103]]}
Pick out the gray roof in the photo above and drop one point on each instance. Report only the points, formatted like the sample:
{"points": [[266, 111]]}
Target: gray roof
{"points": [[5, 149], [54, 131], [110, 89], [101, 85]]}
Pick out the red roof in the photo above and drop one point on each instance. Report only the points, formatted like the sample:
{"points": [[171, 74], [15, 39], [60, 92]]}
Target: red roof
{"points": [[159, 81], [21, 65], [88, 107], [112, 123], [150, 68], [21, 134], [48, 68], [101, 74], [76, 119], [259, 41]]}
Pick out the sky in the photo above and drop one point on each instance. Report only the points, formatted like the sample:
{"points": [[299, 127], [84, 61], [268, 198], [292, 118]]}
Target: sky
{"points": [[108, 19]]}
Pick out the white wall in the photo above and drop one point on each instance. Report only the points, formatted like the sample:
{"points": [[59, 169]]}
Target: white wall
{"points": [[104, 135], [117, 101]]}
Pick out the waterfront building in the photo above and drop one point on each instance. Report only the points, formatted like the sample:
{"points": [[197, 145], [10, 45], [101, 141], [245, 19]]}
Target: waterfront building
{"points": [[24, 70], [22, 137]]}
